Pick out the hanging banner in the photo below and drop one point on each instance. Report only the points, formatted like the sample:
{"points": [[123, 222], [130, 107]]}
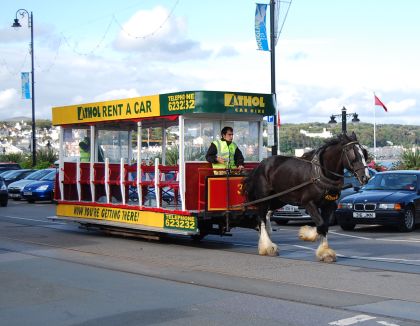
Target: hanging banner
{"points": [[26, 94], [260, 29]]}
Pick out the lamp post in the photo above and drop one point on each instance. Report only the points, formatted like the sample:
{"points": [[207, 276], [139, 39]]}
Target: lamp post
{"points": [[344, 116], [16, 24]]}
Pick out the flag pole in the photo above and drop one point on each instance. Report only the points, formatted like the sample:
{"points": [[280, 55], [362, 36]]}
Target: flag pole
{"points": [[374, 132]]}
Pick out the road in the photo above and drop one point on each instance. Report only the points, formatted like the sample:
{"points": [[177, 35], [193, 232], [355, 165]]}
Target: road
{"points": [[59, 274]]}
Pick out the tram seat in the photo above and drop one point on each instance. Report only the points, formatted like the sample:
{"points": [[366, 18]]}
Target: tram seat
{"points": [[168, 180], [130, 182], [114, 181], [84, 173], [70, 181], [99, 179], [147, 181], [85, 181], [130, 175], [114, 174], [69, 173], [98, 173]]}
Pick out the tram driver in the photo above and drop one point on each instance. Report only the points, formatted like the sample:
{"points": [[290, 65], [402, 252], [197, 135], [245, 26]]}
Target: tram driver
{"points": [[224, 153]]}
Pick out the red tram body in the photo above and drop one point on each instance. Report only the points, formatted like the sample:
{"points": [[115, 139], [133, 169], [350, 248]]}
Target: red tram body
{"points": [[117, 189]]}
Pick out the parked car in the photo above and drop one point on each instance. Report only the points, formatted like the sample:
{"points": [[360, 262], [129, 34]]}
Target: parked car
{"points": [[389, 198], [15, 175], [7, 166], [290, 213], [40, 190], [16, 187], [4, 195], [352, 184]]}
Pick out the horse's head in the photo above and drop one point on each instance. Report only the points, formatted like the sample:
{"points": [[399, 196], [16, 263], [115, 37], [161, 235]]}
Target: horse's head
{"points": [[354, 158]]}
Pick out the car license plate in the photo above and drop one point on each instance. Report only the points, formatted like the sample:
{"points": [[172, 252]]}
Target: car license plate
{"points": [[364, 215], [287, 208], [14, 195], [27, 193]]}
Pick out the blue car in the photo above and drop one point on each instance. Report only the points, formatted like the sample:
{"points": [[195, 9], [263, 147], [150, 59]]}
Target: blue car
{"points": [[389, 198], [40, 190]]}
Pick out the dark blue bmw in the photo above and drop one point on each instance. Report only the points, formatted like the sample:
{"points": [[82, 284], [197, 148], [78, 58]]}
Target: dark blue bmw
{"points": [[389, 198]]}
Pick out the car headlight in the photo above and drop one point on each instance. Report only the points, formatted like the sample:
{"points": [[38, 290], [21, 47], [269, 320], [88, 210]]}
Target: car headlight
{"points": [[345, 206], [42, 188], [395, 206]]}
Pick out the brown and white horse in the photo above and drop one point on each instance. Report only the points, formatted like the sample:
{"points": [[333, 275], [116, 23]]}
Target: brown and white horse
{"points": [[316, 180]]}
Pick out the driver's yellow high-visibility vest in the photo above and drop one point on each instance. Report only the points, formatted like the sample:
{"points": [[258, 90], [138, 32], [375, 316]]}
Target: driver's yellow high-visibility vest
{"points": [[227, 152]]}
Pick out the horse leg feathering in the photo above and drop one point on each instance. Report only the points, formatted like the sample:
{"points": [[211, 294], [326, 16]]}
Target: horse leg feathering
{"points": [[265, 246], [324, 253], [308, 233]]}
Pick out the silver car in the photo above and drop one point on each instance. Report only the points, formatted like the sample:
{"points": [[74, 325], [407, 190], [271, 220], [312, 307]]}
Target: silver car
{"points": [[290, 213]]}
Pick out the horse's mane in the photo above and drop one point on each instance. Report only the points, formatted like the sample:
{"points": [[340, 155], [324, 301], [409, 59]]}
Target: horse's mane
{"points": [[328, 142]]}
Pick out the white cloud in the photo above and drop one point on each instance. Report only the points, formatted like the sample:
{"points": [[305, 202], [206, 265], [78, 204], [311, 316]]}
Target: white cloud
{"points": [[158, 36], [7, 97]]}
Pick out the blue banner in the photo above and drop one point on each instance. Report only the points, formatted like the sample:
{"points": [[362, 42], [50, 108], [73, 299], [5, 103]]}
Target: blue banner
{"points": [[260, 29], [26, 94]]}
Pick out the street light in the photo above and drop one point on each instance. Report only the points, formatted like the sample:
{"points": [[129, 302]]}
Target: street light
{"points": [[344, 116], [16, 24]]}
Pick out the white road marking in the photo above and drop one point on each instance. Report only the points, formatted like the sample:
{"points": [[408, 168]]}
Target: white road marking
{"points": [[352, 320], [414, 240], [386, 323], [349, 235]]}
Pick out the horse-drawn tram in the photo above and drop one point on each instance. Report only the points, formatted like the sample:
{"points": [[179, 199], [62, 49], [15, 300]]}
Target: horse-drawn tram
{"points": [[138, 164]]}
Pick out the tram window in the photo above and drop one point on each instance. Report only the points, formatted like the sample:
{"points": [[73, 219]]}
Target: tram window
{"points": [[246, 137], [113, 144], [151, 144], [72, 138], [198, 136]]}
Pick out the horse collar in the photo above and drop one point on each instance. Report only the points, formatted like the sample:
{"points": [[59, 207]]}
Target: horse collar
{"points": [[319, 176]]}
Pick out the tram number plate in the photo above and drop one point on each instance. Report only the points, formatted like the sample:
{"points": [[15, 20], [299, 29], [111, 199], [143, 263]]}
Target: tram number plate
{"points": [[173, 221], [27, 193], [364, 215]]}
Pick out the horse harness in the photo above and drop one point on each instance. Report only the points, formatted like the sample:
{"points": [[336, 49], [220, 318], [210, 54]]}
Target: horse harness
{"points": [[332, 187]]}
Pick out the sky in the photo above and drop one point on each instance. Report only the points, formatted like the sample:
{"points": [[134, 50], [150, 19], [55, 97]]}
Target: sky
{"points": [[330, 54]]}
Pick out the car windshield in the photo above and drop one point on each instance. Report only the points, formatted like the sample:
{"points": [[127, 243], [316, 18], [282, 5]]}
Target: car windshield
{"points": [[392, 181], [37, 174], [49, 177], [8, 173]]}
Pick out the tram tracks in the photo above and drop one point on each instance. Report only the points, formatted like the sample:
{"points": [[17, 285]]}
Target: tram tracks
{"points": [[212, 264], [287, 250]]}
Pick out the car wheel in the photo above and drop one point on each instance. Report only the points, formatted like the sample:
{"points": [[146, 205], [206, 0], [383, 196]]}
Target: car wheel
{"points": [[31, 201], [348, 227], [3, 203], [409, 221]]}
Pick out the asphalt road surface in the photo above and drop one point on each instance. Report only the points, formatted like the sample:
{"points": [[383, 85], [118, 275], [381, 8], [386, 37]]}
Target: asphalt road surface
{"points": [[58, 274]]}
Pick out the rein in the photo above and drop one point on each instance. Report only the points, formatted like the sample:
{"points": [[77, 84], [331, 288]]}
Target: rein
{"points": [[275, 195], [304, 184]]}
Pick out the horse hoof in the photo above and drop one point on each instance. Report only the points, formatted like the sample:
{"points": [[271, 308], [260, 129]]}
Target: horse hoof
{"points": [[326, 255], [269, 251], [308, 233]]}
